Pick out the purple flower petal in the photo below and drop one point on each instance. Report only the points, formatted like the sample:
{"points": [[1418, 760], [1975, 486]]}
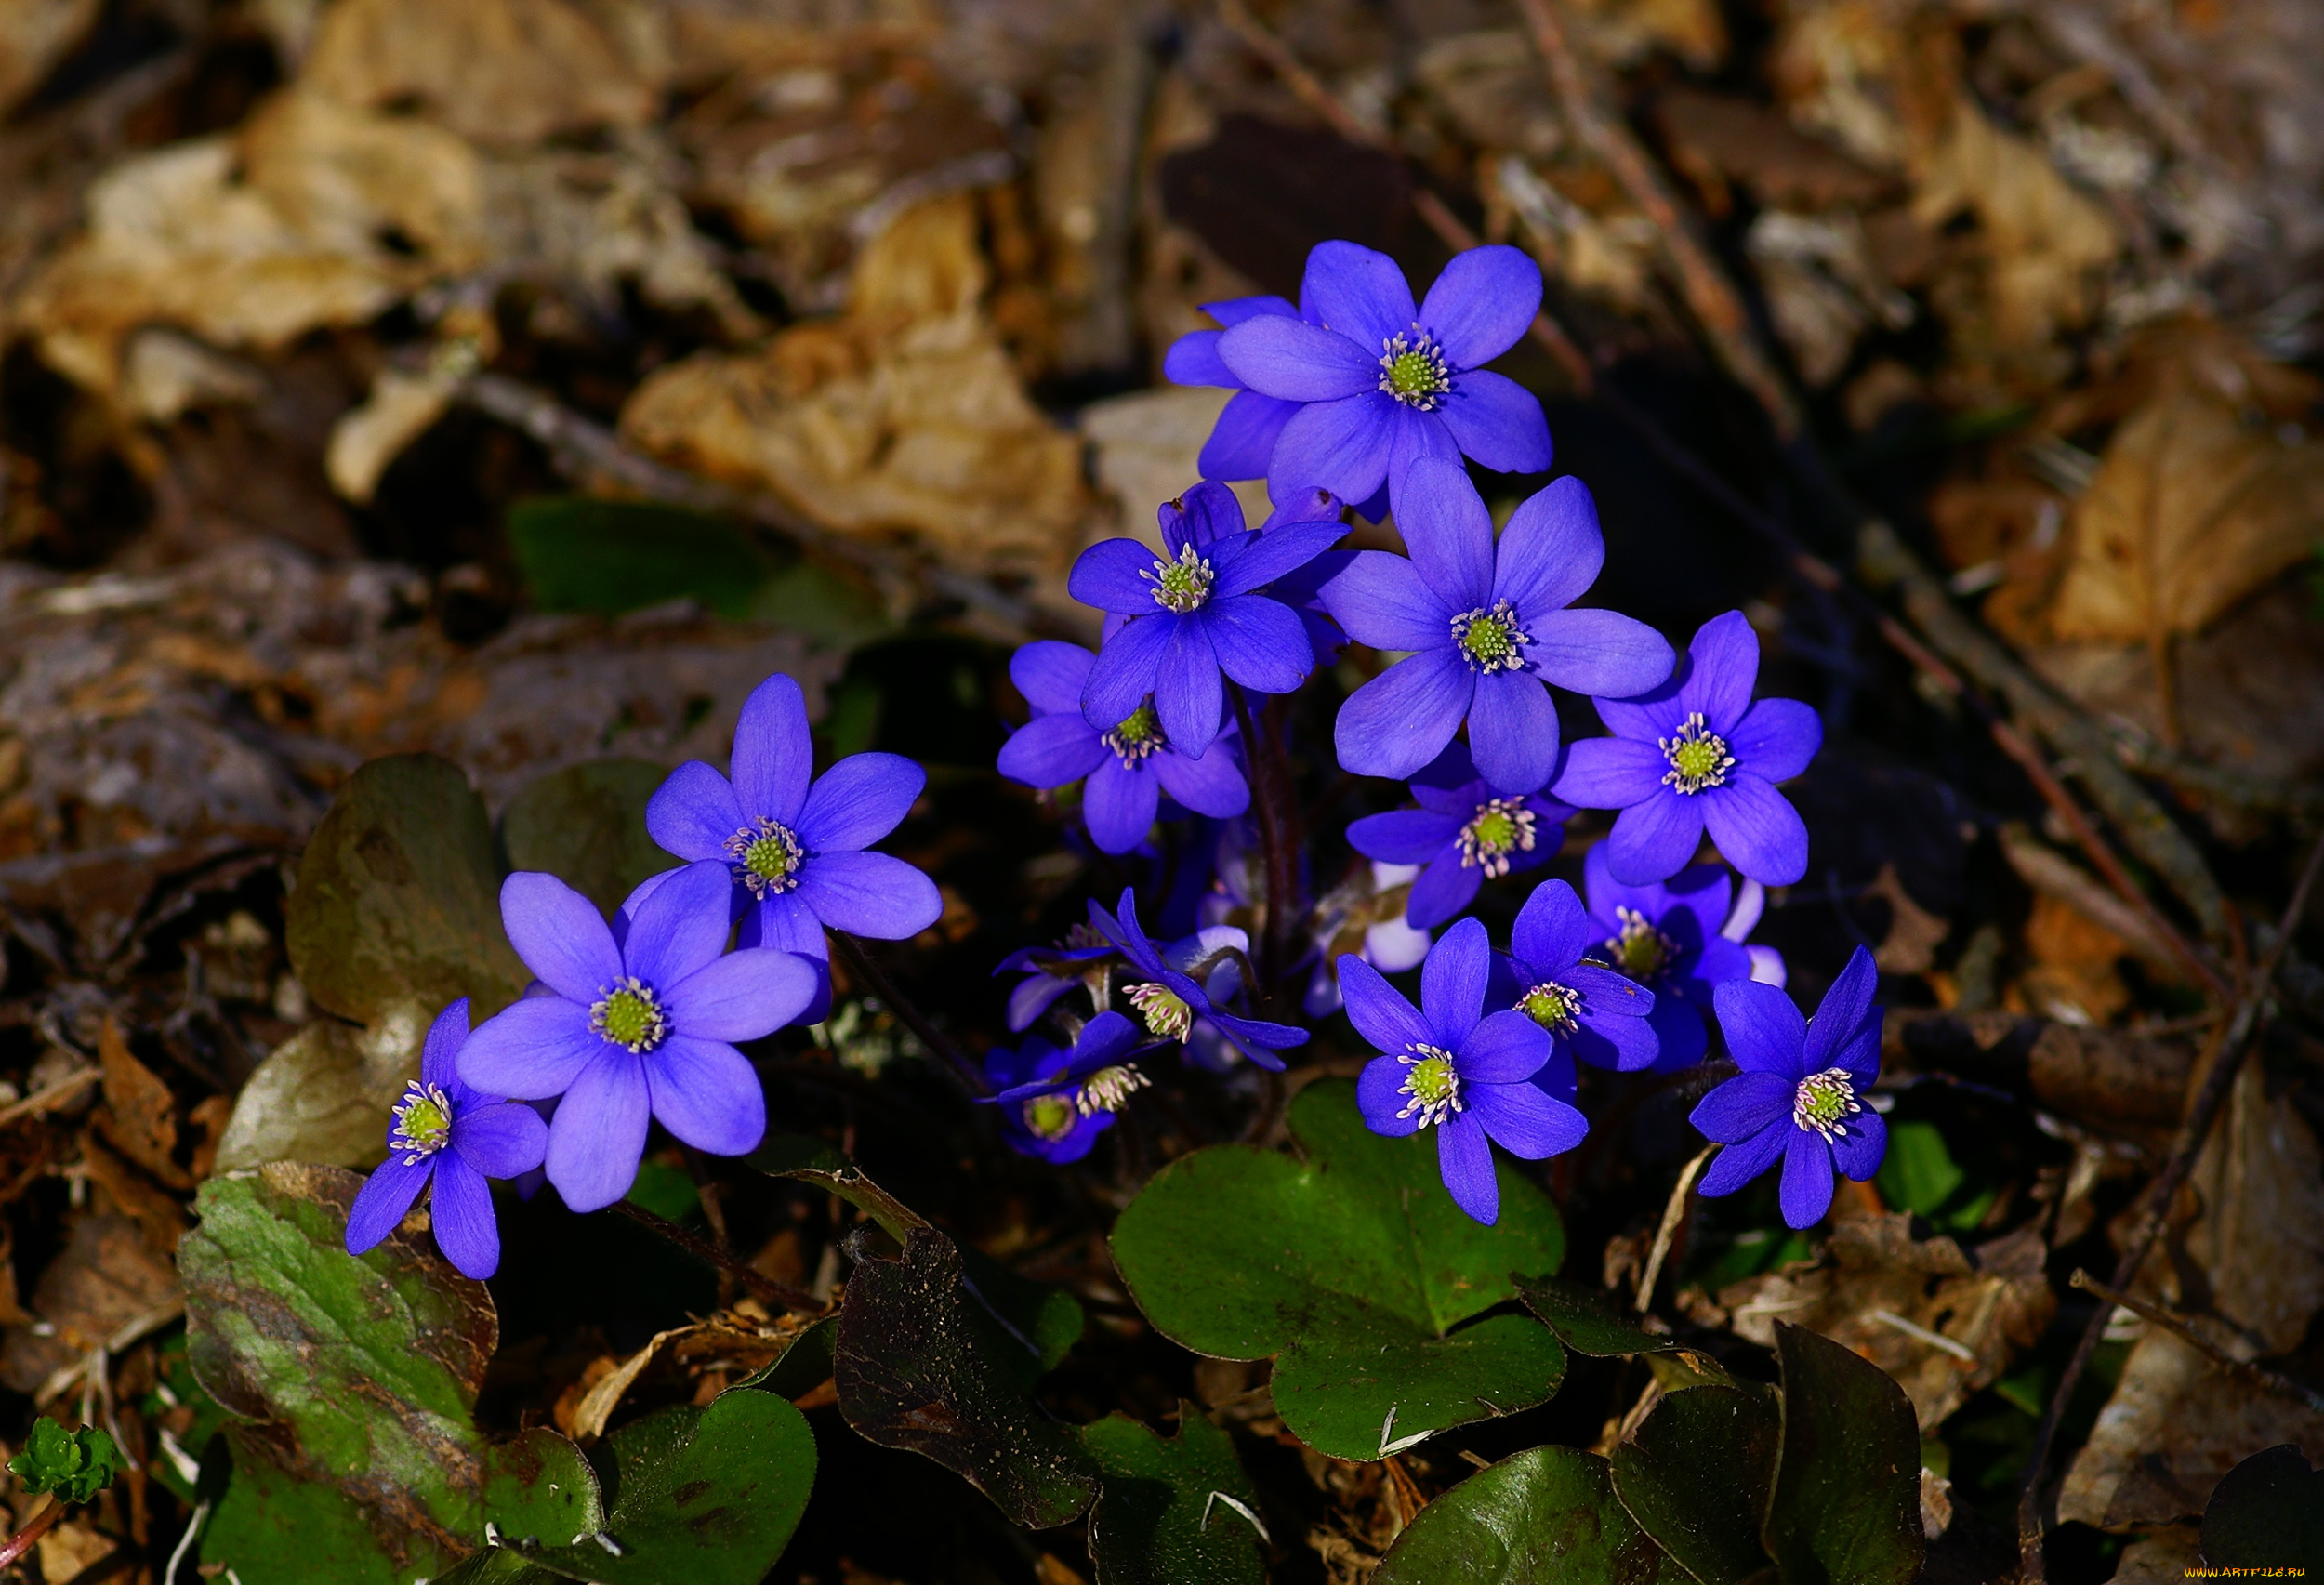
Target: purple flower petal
{"points": [[1551, 550], [1381, 601], [783, 920], [1050, 674], [1242, 442], [1679, 1034], [1116, 574], [1232, 311], [1767, 966], [1193, 360], [1721, 959], [598, 1136], [1740, 1163], [1210, 783], [1623, 1045], [1726, 656], [1757, 829], [1403, 836], [1610, 772], [503, 1139], [1842, 1014], [1378, 1012], [1859, 1151], [1553, 931], [681, 926], [1465, 1161], [1765, 1033], [1258, 642], [1527, 1122], [461, 1212], [1482, 304], [1359, 293], [1444, 889], [1742, 1107], [1402, 718], [1307, 505], [773, 753], [693, 811], [707, 1094], [1125, 671], [1297, 361], [1776, 739], [1655, 838], [742, 996], [560, 934], [439, 1054], [1860, 1056], [1188, 698], [1379, 1096], [1341, 446], [870, 894], [1705, 894], [1053, 751], [1118, 805], [1448, 532], [1414, 436], [1807, 1181], [1452, 983], [1600, 653], [1276, 554], [859, 800], [532, 1049], [385, 1196], [1512, 730], [1032, 997], [1494, 419], [1609, 996], [1649, 717], [1504, 1048], [1209, 517]]}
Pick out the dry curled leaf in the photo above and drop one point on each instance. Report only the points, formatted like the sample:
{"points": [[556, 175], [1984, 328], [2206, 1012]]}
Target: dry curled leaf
{"points": [[140, 1115]]}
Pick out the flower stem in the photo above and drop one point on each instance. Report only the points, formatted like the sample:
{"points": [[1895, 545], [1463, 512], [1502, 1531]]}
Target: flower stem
{"points": [[859, 964], [1266, 802], [758, 1283], [16, 1546]]}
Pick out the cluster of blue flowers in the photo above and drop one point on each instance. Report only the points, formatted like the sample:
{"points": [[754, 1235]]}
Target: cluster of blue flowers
{"points": [[1353, 396]]}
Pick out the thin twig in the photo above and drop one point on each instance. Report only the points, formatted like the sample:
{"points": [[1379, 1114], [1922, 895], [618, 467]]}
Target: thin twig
{"points": [[42, 1100], [859, 963], [757, 1282], [2229, 1046], [1671, 1212], [2172, 1322]]}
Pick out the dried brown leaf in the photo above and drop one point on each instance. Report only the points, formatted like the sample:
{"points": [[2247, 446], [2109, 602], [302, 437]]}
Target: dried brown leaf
{"points": [[34, 35], [140, 1115], [105, 1276]]}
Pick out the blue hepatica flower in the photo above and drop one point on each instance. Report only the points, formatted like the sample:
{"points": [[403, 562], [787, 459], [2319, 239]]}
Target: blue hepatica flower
{"points": [[1801, 1094], [1487, 625], [1465, 831], [1697, 752], [1244, 437], [1054, 1103], [1170, 1000], [633, 1027], [1679, 938], [1127, 768], [1590, 1011], [1456, 1069], [795, 848], [1051, 971], [1381, 383], [1194, 612], [1356, 921], [445, 1131]]}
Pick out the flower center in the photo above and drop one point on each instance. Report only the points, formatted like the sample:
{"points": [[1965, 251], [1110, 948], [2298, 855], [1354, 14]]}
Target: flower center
{"points": [[1166, 1013], [423, 1122], [1824, 1102], [1412, 369], [1553, 1005], [1640, 951], [1491, 641], [1048, 1116], [1181, 586], [1698, 756], [1500, 827], [769, 856], [1432, 1084], [1105, 1089], [1139, 735], [627, 1013]]}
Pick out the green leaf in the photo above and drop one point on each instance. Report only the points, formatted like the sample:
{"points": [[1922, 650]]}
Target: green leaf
{"points": [[579, 553], [705, 1496], [1696, 1475], [361, 1371], [1353, 1267], [272, 1528], [802, 1366], [921, 1365], [586, 826], [398, 896], [1588, 1322], [2268, 1513], [539, 1487], [1169, 1514], [1546, 1516], [76, 1465], [1846, 1509]]}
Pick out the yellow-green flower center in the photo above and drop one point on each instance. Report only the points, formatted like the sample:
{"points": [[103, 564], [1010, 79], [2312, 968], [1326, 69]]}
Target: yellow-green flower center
{"points": [[1412, 369], [1502, 827], [769, 857], [1181, 586], [1048, 1116], [629, 1015], [1825, 1102], [1139, 735], [1552, 1006], [1431, 1084], [1167, 1015], [1640, 951], [1698, 756], [423, 1122], [1491, 641]]}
